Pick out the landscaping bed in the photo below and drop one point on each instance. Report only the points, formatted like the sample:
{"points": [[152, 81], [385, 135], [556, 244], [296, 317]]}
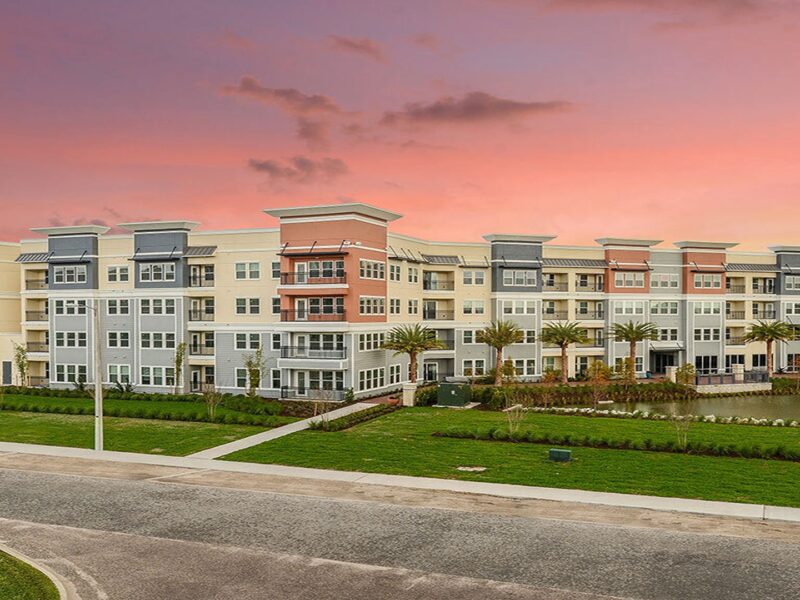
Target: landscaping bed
{"points": [[21, 581], [353, 419]]}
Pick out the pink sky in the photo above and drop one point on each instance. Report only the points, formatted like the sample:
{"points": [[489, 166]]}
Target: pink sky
{"points": [[666, 119]]}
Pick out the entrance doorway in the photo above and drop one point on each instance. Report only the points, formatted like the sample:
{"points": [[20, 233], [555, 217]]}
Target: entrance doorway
{"points": [[662, 360]]}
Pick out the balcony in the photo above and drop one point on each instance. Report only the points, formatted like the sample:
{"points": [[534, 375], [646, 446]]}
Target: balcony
{"points": [[305, 278], [36, 315], [765, 315], [446, 345], [36, 284], [736, 289], [558, 315], [438, 286], [305, 315], [204, 281], [591, 286], [735, 315], [37, 347], [313, 353], [555, 286], [438, 315], [763, 290], [597, 315], [201, 315], [201, 350], [38, 381], [312, 394], [735, 341], [592, 344]]}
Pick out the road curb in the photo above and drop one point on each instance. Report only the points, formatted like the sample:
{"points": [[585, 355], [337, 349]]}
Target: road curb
{"points": [[56, 579]]}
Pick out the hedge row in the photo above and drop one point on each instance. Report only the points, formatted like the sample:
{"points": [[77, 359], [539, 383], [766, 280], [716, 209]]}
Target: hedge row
{"points": [[350, 420], [779, 452]]}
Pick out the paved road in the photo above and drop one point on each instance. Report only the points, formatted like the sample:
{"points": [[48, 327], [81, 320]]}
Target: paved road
{"points": [[146, 539]]}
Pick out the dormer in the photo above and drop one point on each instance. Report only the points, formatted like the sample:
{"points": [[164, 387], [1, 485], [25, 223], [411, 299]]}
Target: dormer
{"points": [[629, 267], [517, 261], [72, 256], [159, 253], [703, 266]]}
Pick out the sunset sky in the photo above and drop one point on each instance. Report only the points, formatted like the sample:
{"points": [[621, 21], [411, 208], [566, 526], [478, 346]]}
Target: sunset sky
{"points": [[665, 119]]}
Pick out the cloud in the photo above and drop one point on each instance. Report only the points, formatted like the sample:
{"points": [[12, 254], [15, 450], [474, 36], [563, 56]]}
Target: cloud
{"points": [[363, 46], [300, 169], [428, 41], [722, 9], [314, 133], [234, 41], [474, 107], [290, 100]]}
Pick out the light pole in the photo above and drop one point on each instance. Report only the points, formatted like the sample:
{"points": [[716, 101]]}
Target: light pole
{"points": [[98, 380]]}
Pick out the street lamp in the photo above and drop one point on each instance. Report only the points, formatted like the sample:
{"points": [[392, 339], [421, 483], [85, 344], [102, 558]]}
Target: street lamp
{"points": [[98, 379]]}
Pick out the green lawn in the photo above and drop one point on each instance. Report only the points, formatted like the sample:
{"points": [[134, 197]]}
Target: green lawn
{"points": [[401, 443], [20, 581], [176, 438], [177, 410]]}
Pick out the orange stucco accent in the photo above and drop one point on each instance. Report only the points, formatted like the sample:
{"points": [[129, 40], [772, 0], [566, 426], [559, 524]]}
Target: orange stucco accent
{"points": [[708, 262], [635, 260]]}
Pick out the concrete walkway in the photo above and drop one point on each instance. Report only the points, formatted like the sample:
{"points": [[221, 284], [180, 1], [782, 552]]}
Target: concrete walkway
{"points": [[684, 505], [273, 434]]}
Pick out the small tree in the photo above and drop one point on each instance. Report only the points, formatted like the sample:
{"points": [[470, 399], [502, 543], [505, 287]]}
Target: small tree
{"points": [[498, 335], [599, 375], [254, 364], [21, 363], [180, 359], [508, 372], [549, 378], [562, 335], [412, 340], [770, 332], [681, 425], [685, 375], [515, 414], [626, 373], [212, 398]]}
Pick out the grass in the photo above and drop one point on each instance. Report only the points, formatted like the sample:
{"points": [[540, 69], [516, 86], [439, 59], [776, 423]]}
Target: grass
{"points": [[20, 581], [175, 438], [176, 410], [402, 443]]}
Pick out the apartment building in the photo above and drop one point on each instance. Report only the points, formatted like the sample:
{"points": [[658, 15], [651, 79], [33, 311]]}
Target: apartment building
{"points": [[319, 293]]}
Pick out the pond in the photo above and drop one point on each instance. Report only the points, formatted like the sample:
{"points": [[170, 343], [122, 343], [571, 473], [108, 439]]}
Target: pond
{"points": [[761, 407]]}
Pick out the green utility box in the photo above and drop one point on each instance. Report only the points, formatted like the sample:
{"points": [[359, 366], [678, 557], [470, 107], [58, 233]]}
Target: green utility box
{"points": [[557, 455], [453, 394]]}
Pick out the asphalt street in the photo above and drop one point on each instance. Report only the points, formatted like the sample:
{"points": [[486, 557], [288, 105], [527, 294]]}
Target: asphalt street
{"points": [[153, 539]]}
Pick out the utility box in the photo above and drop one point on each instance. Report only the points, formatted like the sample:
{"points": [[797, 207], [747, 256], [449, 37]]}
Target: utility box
{"points": [[557, 455], [453, 394]]}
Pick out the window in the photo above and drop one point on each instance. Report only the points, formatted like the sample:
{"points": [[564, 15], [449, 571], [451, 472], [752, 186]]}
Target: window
{"points": [[519, 278], [326, 305], [252, 270], [118, 307], [371, 305], [517, 307], [413, 275], [468, 336], [164, 376], [119, 339], [473, 307], [119, 374], [668, 335], [629, 308], [372, 269], [157, 340], [157, 272], [370, 379], [325, 268], [275, 378], [633, 279], [663, 308], [394, 374], [394, 272], [473, 367], [69, 274], [664, 280], [249, 306], [707, 308], [708, 280], [706, 334], [70, 339], [394, 306], [117, 274], [529, 336], [792, 362], [525, 367], [276, 341], [791, 282], [248, 341], [474, 277], [157, 306], [70, 307], [793, 308], [276, 270], [638, 367], [70, 373], [759, 361], [370, 341], [413, 307], [276, 305]]}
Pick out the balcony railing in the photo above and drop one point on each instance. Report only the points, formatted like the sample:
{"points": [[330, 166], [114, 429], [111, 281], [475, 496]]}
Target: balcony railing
{"points": [[36, 284], [38, 347], [592, 286], [200, 315], [439, 286], [735, 315], [438, 315], [736, 289], [765, 315], [313, 353], [763, 290], [201, 350], [735, 341], [38, 381], [555, 286], [305, 278], [36, 315], [446, 345], [592, 344], [201, 281], [558, 315], [590, 316], [312, 394], [305, 315]]}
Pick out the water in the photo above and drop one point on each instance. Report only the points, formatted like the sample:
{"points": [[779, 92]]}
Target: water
{"points": [[761, 407]]}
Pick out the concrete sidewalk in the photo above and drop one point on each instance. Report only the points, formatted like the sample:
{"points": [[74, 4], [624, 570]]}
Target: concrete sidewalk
{"points": [[278, 432], [684, 505]]}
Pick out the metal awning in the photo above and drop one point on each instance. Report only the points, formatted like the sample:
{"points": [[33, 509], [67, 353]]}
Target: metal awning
{"points": [[659, 346], [200, 251], [33, 257]]}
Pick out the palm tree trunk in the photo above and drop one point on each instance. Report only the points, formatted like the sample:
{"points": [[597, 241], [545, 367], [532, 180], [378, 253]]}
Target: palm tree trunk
{"points": [[769, 358], [633, 360], [564, 364], [412, 367], [498, 367]]}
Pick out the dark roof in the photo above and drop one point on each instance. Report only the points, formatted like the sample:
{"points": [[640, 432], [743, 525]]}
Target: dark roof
{"points": [[441, 259], [735, 267], [33, 257], [200, 251], [588, 263]]}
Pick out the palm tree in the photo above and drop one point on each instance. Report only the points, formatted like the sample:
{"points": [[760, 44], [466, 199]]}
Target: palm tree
{"points": [[769, 332], [498, 335], [633, 333], [562, 335], [412, 340]]}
